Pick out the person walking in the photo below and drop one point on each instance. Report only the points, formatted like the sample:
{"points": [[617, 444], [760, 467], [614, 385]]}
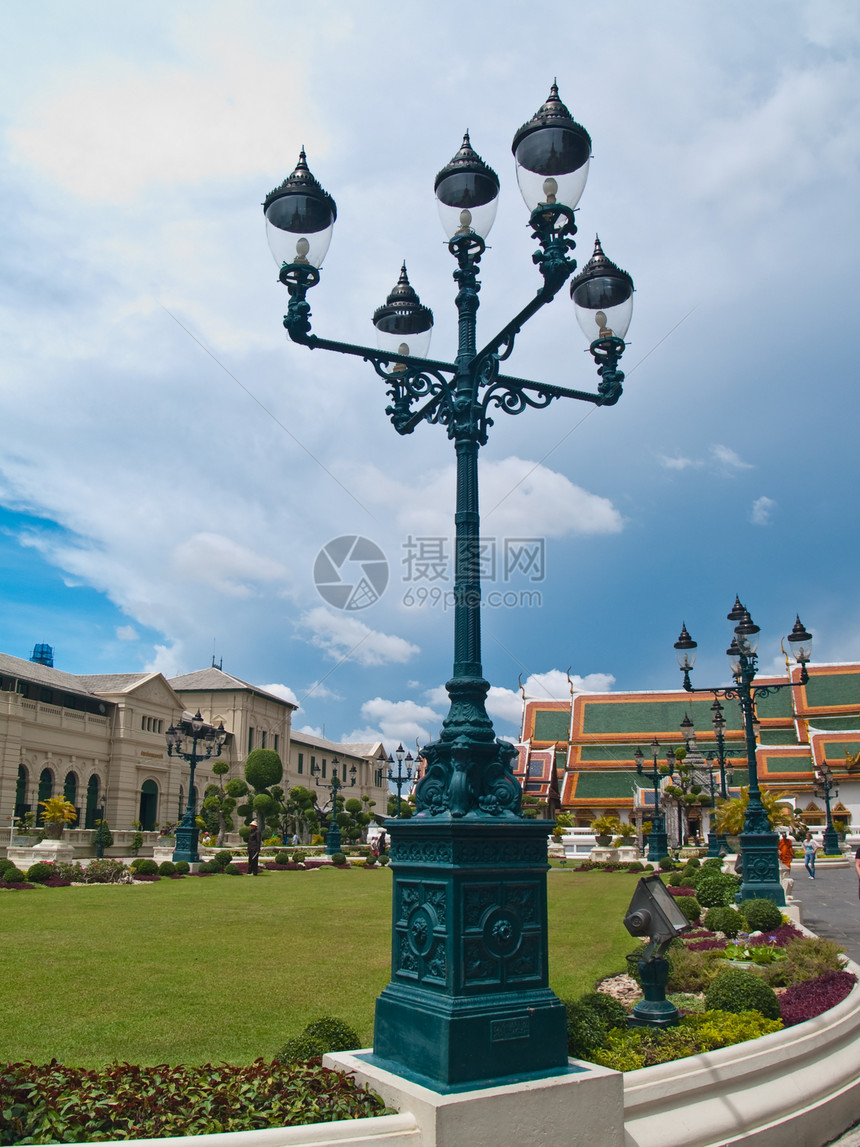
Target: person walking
{"points": [[255, 839], [786, 853], [810, 847]]}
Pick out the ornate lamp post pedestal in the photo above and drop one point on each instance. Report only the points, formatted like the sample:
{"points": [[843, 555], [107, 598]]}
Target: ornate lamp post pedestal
{"points": [[193, 740], [469, 997], [333, 840]]}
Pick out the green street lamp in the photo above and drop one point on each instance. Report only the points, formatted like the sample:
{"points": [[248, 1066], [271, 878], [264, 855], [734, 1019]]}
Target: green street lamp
{"points": [[825, 783], [332, 840], [726, 769], [193, 740], [399, 777], [469, 997], [658, 842], [759, 857]]}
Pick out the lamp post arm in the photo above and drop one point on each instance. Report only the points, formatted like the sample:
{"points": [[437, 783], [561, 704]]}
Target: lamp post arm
{"points": [[371, 354], [556, 391]]}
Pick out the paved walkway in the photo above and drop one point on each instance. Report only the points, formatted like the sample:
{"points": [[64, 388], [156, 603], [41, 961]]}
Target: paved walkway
{"points": [[831, 908]]}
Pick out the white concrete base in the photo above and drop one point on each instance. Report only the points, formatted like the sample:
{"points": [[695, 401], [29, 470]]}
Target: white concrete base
{"points": [[48, 851], [627, 853], [585, 1107], [603, 855]]}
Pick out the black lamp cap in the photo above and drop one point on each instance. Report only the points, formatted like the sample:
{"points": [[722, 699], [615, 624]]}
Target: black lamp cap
{"points": [[301, 181], [684, 640], [468, 162], [599, 266], [799, 633], [553, 113], [403, 312], [737, 611]]}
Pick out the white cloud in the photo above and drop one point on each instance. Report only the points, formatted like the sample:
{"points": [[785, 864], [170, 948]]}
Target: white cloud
{"points": [[344, 636], [398, 722], [677, 463], [729, 458], [283, 691], [224, 564], [762, 508], [312, 731], [126, 633], [168, 661]]}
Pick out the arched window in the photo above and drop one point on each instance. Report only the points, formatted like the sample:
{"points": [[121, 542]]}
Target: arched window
{"points": [[46, 790], [70, 790], [21, 805], [148, 813], [91, 814]]}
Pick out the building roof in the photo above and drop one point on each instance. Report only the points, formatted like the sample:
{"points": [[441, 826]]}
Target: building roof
{"points": [[45, 675], [353, 749], [114, 682], [214, 680]]}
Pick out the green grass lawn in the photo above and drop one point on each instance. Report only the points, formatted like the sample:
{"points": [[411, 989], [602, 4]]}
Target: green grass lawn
{"points": [[227, 968]]}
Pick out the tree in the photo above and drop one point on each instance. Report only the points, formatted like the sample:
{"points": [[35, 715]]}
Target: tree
{"points": [[263, 771], [218, 805], [731, 813], [300, 813]]}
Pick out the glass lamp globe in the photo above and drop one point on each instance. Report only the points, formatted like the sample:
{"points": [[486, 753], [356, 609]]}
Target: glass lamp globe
{"points": [[402, 324], [602, 297], [467, 194], [299, 218], [746, 635], [552, 152], [800, 643]]}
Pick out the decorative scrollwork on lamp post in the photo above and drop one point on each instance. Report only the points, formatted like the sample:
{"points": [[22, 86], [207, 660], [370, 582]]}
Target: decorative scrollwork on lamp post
{"points": [[337, 782]]}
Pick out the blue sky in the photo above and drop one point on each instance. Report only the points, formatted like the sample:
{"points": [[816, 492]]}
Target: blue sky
{"points": [[170, 466]]}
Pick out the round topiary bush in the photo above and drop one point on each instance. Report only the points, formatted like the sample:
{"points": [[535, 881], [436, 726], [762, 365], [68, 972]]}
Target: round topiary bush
{"points": [[39, 872], [666, 864], [333, 1034], [717, 890], [263, 768], [208, 866], [282, 858], [300, 1048], [760, 915], [383, 860], [222, 859], [166, 868], [693, 862], [725, 920], [299, 856], [734, 990], [13, 875], [232, 870], [370, 862], [339, 858], [675, 880], [145, 867], [690, 906], [182, 867]]}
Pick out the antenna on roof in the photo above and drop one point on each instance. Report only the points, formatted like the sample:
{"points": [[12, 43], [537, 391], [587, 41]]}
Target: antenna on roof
{"points": [[219, 664]]}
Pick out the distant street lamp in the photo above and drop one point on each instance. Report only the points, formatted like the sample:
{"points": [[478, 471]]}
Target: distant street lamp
{"points": [[193, 740], [759, 857], [726, 770], [400, 778], [825, 783], [332, 840], [658, 843]]}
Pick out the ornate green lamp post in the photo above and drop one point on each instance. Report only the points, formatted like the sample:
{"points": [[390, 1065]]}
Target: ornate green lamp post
{"points": [[824, 786], [658, 843], [332, 840], [469, 998], [400, 777], [759, 857], [193, 740], [726, 769]]}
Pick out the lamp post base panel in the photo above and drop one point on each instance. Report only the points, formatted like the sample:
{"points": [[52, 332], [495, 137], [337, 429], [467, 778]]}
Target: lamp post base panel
{"points": [[658, 846], [760, 868], [186, 844], [469, 997]]}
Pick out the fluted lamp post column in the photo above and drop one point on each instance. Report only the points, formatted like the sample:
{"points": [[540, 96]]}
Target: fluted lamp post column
{"points": [[825, 784], [469, 997], [658, 842], [403, 774], [337, 782], [193, 740]]}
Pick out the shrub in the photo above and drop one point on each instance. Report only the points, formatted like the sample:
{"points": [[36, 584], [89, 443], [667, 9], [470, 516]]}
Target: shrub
{"points": [[725, 920], [263, 768], [674, 880], [208, 867], [760, 915], [666, 864], [182, 868], [691, 970], [717, 890], [805, 959], [222, 859], [734, 990], [383, 860], [13, 875], [612, 1011], [39, 872], [693, 863], [586, 1029], [105, 871], [370, 862], [299, 856], [300, 1049], [232, 870], [812, 997], [339, 859], [690, 906], [628, 1049], [167, 868], [145, 867], [333, 1033], [137, 843], [282, 858], [681, 889]]}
